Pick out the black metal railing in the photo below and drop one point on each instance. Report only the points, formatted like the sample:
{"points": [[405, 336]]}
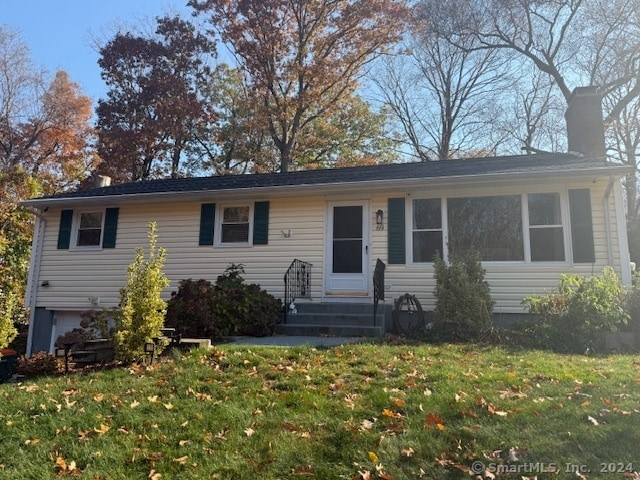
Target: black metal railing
{"points": [[378, 287], [297, 283]]}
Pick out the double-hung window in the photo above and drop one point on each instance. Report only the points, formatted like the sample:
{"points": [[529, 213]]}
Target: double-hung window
{"points": [[427, 229], [235, 225], [546, 232], [89, 229]]}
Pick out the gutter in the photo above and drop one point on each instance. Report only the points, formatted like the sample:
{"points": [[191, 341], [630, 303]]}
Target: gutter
{"points": [[34, 271], [607, 220], [320, 188]]}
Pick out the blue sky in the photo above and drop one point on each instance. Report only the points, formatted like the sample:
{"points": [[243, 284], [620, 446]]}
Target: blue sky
{"points": [[61, 34]]}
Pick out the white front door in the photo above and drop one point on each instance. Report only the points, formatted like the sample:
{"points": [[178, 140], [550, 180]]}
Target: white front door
{"points": [[347, 256]]}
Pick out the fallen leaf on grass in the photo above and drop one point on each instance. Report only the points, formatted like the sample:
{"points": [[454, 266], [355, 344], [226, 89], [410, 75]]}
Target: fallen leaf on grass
{"points": [[249, 431], [408, 452], [102, 429], [434, 420], [181, 460], [63, 468], [366, 424], [373, 457], [304, 470]]}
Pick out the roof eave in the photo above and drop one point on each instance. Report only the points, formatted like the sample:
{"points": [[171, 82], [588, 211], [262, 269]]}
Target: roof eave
{"points": [[617, 171]]}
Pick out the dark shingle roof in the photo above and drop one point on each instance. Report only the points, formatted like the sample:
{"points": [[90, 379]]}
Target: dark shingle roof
{"points": [[489, 166]]}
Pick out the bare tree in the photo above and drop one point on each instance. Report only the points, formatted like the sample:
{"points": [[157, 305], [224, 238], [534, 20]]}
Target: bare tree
{"points": [[442, 90], [534, 119]]}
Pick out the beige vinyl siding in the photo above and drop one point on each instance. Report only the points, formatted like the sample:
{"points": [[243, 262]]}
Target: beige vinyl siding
{"points": [[76, 275], [509, 282]]}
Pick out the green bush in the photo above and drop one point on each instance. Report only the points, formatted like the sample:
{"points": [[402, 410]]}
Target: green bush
{"points": [[142, 309], [8, 303], [463, 298], [578, 311], [191, 310], [632, 304]]}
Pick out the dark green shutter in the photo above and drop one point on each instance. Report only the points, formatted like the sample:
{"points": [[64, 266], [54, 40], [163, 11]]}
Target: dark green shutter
{"points": [[581, 226], [64, 233], [110, 228], [396, 231], [207, 222], [261, 223]]}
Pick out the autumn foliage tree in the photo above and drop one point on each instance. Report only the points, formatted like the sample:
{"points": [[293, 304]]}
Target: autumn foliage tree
{"points": [[153, 103], [45, 128], [302, 57], [45, 147]]}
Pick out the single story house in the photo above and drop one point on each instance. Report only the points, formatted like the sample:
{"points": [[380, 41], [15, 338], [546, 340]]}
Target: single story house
{"points": [[533, 217]]}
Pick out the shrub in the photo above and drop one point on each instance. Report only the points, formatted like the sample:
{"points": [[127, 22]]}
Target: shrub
{"points": [[578, 310], [8, 303], [191, 310], [632, 304], [39, 364], [463, 298], [230, 307], [142, 309], [98, 323], [76, 337], [242, 309]]}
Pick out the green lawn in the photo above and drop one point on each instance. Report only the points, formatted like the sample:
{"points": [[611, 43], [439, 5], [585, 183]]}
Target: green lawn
{"points": [[353, 412]]}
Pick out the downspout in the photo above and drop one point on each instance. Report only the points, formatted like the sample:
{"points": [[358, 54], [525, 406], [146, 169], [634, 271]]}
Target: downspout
{"points": [[607, 220], [623, 242], [623, 246], [34, 271]]}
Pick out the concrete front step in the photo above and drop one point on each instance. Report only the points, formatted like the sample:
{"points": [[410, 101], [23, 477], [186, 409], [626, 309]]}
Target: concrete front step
{"points": [[335, 319], [328, 330]]}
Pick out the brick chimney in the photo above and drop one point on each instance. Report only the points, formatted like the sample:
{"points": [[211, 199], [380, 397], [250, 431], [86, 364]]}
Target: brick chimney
{"points": [[585, 128]]}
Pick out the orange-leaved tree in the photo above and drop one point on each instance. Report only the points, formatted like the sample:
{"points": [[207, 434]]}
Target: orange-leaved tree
{"points": [[301, 57]]}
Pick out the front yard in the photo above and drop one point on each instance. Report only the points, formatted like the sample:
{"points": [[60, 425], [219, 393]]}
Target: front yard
{"points": [[354, 412]]}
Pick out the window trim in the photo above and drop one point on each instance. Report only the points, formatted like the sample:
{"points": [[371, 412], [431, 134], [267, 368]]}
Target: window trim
{"points": [[524, 203], [444, 228], [564, 213], [75, 229], [219, 221]]}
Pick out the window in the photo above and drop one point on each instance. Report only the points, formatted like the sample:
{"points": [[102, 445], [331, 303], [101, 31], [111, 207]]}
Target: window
{"points": [[490, 225], [546, 233], [89, 229], [83, 229], [234, 227], [427, 229]]}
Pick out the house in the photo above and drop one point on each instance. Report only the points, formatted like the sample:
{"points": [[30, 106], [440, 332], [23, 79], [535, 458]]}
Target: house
{"points": [[533, 217]]}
